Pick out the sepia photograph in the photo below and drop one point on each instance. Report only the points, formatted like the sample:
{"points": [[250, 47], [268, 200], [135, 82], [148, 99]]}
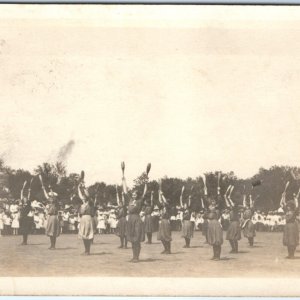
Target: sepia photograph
{"points": [[149, 150]]}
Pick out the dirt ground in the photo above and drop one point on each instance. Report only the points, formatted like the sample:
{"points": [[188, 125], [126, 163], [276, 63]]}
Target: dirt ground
{"points": [[265, 259]]}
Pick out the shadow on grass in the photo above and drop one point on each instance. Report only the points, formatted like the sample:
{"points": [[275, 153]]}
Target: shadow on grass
{"points": [[178, 252], [196, 246], [151, 260], [227, 258], [66, 248], [100, 253]]}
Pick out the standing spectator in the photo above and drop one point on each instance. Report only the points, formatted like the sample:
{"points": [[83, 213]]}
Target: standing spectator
{"points": [[15, 225], [7, 223]]}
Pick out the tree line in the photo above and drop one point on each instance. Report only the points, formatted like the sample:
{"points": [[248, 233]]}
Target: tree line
{"points": [[267, 194]]}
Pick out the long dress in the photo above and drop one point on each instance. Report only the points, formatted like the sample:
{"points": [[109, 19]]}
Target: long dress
{"points": [[53, 226], [290, 231], [234, 229], [87, 227], [187, 229], [248, 226], [149, 228], [25, 221], [122, 222], [135, 229], [16, 220], [214, 233], [164, 229]]}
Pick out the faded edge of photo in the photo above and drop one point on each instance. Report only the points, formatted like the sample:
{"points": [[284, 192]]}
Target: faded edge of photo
{"points": [[134, 286]]}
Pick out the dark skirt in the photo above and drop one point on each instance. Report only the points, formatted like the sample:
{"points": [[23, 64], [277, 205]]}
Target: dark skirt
{"points": [[291, 234], [204, 227], [26, 224], [234, 231], [121, 227], [135, 229], [86, 227], [164, 231], [187, 229], [214, 233], [149, 228], [53, 228], [249, 229]]}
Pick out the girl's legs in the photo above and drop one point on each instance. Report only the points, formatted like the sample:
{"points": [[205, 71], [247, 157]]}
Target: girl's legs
{"points": [[165, 246], [122, 242], [52, 242], [149, 237], [168, 247], [25, 236], [232, 246], [236, 246]]}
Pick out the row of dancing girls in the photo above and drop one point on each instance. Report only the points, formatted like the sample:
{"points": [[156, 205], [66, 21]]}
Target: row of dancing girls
{"points": [[26, 220]]}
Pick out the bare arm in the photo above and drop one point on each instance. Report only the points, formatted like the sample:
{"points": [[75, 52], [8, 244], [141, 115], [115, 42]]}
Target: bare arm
{"points": [[123, 198], [117, 194], [80, 194], [22, 190], [125, 188], [45, 192], [251, 201], [151, 199], [225, 196], [163, 198], [202, 203], [297, 199], [145, 190], [229, 196], [181, 197]]}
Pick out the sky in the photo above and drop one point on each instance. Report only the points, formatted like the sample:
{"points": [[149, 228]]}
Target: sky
{"points": [[190, 89]]}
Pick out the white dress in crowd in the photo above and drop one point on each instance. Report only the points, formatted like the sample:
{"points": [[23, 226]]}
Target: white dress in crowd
{"points": [[112, 220], [15, 220], [1, 221], [7, 220], [36, 220], [101, 221]]}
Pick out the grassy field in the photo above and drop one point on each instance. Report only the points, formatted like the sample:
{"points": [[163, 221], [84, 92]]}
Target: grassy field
{"points": [[265, 259]]}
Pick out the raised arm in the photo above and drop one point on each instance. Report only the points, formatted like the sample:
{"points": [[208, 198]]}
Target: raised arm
{"points": [[80, 194], [118, 198], [123, 198], [202, 203], [45, 192], [151, 199], [229, 196], [297, 199], [125, 188], [204, 182], [22, 190], [181, 197], [145, 190], [29, 190], [251, 201], [225, 196], [190, 200]]}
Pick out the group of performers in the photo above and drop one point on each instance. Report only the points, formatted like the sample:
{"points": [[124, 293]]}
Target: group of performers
{"points": [[131, 228]]}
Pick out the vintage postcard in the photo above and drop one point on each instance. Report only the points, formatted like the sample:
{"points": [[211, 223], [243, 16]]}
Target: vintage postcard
{"points": [[149, 150]]}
